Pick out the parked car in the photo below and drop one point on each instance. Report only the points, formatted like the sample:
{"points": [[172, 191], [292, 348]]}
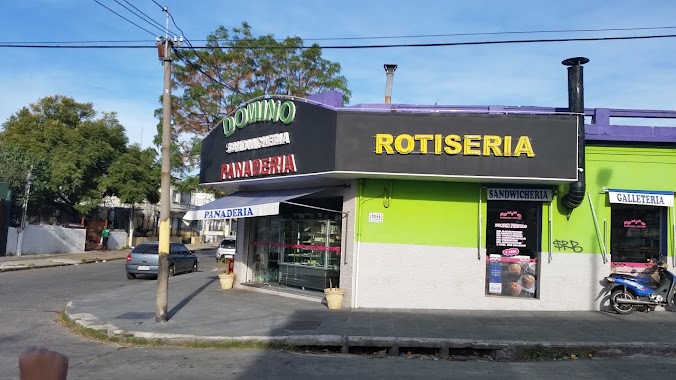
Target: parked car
{"points": [[144, 259], [226, 248]]}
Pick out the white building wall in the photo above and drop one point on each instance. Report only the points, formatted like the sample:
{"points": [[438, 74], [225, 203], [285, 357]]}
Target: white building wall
{"points": [[348, 246], [12, 238], [39, 239], [428, 277], [117, 240]]}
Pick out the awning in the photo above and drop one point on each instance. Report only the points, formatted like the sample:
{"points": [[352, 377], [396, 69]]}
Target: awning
{"points": [[642, 197], [247, 204]]}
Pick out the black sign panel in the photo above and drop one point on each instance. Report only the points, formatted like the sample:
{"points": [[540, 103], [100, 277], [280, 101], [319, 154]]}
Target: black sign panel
{"points": [[508, 146], [300, 141], [512, 248]]}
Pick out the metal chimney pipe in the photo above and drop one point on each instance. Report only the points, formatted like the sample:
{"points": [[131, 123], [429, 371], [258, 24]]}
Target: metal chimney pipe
{"points": [[389, 70], [576, 190]]}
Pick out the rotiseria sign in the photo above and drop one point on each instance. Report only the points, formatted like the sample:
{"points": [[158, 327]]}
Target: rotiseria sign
{"points": [[258, 111], [468, 145]]}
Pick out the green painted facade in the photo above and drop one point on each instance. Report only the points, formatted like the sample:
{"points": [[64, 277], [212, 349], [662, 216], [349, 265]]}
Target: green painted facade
{"points": [[447, 213]]}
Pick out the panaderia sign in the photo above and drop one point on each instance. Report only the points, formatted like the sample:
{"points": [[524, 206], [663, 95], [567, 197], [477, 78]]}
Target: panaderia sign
{"points": [[269, 138]]}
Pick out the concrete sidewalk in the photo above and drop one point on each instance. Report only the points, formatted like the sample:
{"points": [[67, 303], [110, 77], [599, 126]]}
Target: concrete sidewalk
{"points": [[12, 263], [199, 311]]}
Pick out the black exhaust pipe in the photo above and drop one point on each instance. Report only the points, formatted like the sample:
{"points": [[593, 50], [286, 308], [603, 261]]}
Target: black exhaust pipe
{"points": [[576, 190]]}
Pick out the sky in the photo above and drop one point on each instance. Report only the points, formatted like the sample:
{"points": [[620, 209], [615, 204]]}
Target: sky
{"points": [[621, 74]]}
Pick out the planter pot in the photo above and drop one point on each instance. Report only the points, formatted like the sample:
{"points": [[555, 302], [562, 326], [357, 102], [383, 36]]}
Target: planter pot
{"points": [[227, 280], [334, 297]]}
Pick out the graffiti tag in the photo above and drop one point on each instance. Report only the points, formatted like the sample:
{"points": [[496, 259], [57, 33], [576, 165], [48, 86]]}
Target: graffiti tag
{"points": [[568, 245]]}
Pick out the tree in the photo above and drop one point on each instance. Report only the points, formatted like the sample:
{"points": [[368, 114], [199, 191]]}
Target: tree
{"points": [[76, 146], [134, 177], [14, 166], [234, 68]]}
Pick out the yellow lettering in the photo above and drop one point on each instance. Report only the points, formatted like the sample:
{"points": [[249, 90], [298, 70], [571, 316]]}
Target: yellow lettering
{"points": [[472, 145], [492, 144], [523, 147], [384, 141], [410, 144], [424, 139], [452, 144], [507, 145], [437, 144]]}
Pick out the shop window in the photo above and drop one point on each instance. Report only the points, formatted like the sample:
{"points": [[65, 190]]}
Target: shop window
{"points": [[513, 248], [638, 233], [264, 248]]}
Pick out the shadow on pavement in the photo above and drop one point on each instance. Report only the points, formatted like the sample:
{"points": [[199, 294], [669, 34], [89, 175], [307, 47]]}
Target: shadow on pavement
{"points": [[186, 300]]}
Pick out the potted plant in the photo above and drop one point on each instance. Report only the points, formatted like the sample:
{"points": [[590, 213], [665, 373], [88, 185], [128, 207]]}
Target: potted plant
{"points": [[227, 275], [334, 296]]}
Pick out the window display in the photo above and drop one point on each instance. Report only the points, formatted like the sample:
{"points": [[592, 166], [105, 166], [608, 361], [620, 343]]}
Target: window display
{"points": [[512, 248], [311, 257], [638, 235]]}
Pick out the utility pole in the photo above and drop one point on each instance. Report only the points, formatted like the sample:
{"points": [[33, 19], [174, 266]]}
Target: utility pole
{"points": [[22, 227], [164, 47]]}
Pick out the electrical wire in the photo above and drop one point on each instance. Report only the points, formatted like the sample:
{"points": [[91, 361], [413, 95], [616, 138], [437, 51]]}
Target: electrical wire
{"points": [[197, 67], [158, 4], [126, 19], [348, 47], [145, 16], [139, 16], [77, 42], [488, 33], [179, 29], [357, 38]]}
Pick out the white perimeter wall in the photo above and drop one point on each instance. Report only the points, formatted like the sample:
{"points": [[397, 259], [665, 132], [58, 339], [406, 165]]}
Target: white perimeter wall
{"points": [[12, 236], [427, 277], [47, 239]]}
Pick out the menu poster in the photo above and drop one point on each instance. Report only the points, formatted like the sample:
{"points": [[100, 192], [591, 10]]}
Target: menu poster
{"points": [[512, 246]]}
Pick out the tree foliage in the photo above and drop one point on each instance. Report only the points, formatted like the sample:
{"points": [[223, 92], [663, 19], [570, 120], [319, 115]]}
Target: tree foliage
{"points": [[14, 167], [134, 176], [237, 67], [71, 147]]}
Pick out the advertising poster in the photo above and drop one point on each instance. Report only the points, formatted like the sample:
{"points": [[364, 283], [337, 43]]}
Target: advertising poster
{"points": [[512, 241]]}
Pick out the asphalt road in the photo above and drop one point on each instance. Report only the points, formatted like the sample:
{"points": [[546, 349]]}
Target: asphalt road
{"points": [[31, 299]]}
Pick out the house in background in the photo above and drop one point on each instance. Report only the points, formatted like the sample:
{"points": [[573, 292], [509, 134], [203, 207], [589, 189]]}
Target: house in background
{"points": [[145, 220]]}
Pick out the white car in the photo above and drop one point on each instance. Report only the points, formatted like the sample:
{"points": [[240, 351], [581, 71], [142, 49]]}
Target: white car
{"points": [[227, 248]]}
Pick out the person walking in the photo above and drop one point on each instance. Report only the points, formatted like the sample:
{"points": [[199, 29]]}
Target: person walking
{"points": [[105, 234]]}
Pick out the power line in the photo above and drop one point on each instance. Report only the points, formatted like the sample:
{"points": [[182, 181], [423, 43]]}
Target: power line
{"points": [[76, 42], [197, 67], [128, 20], [358, 38], [137, 15], [158, 4], [348, 47], [179, 29], [194, 65], [144, 16], [487, 33]]}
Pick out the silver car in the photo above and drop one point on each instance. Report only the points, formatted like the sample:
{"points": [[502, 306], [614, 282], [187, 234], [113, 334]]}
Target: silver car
{"points": [[143, 260], [227, 248]]}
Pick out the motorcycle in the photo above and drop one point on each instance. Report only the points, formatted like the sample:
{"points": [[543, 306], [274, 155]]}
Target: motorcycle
{"points": [[627, 293]]}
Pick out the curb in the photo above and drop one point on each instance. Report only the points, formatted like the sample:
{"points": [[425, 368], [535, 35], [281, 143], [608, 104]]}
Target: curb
{"points": [[55, 265], [444, 348]]}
